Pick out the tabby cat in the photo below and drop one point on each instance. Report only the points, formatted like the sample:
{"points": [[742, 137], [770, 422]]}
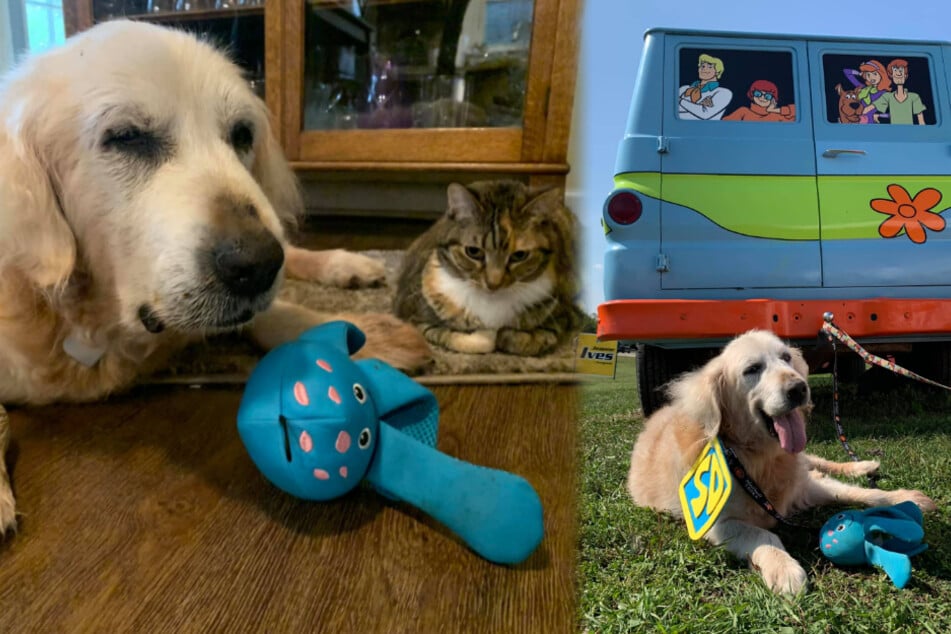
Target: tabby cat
{"points": [[495, 273]]}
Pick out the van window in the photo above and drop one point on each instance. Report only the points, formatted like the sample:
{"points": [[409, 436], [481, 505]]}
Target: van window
{"points": [[736, 85], [878, 89]]}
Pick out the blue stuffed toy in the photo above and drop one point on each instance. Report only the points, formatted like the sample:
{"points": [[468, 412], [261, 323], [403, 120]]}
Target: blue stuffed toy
{"points": [[316, 423], [884, 536]]}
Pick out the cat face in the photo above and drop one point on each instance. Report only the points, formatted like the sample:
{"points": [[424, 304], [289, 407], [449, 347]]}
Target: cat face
{"points": [[500, 233]]}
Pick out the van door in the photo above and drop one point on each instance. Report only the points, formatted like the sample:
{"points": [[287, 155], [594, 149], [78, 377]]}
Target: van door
{"points": [[738, 183], [883, 156]]}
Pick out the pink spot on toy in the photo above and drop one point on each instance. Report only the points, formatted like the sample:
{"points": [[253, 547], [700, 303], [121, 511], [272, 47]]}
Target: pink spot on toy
{"points": [[343, 471], [324, 365], [829, 533], [835, 541], [828, 545], [300, 394], [306, 442], [334, 396], [343, 442], [320, 474]]}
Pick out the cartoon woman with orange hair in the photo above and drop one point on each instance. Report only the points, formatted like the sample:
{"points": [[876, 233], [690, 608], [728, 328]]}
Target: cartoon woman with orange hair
{"points": [[877, 83]]}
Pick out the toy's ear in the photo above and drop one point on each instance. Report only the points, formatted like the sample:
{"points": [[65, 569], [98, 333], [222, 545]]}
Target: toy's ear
{"points": [[341, 335], [911, 510], [899, 528], [896, 566], [400, 401]]}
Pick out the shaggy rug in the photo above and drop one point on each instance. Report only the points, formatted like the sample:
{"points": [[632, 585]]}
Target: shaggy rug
{"points": [[230, 359]]}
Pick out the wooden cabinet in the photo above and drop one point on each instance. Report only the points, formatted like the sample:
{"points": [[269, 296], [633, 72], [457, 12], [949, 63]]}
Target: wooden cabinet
{"points": [[400, 88]]}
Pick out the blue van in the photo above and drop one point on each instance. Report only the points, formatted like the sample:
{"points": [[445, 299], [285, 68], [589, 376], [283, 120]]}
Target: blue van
{"points": [[765, 179]]}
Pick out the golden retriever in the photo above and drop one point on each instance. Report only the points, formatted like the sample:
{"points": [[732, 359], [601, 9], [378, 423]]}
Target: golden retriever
{"points": [[143, 204], [755, 397]]}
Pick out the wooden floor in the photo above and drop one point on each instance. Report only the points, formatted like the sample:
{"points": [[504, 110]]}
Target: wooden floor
{"points": [[145, 514]]}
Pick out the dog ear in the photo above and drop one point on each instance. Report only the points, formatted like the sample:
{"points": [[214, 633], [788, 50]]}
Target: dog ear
{"points": [[34, 235], [278, 180], [699, 394]]}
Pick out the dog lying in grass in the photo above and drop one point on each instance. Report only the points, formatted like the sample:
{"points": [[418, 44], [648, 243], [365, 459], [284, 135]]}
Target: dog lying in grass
{"points": [[755, 397]]}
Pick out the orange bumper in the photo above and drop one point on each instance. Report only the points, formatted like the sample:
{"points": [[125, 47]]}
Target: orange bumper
{"points": [[673, 319]]}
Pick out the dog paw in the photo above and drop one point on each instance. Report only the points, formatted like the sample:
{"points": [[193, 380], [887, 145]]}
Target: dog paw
{"points": [[335, 267], [925, 503], [8, 520], [864, 467], [782, 573], [392, 340], [477, 342]]}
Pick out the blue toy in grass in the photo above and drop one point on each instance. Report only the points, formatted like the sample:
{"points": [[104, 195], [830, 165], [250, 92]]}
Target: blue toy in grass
{"points": [[884, 536], [316, 423]]}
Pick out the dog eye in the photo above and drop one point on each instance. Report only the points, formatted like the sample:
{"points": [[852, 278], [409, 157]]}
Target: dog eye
{"points": [[786, 357], [756, 368], [241, 137], [133, 141]]}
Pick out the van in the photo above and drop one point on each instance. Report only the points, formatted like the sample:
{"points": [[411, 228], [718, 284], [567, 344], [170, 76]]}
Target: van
{"points": [[764, 180]]}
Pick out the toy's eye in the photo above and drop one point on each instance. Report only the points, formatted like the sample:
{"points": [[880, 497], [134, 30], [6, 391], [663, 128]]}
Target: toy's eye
{"points": [[840, 527], [840, 516], [365, 437], [359, 393]]}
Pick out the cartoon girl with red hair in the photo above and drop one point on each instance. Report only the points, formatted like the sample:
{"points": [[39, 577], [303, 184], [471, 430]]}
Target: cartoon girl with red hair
{"points": [[876, 84], [764, 105]]}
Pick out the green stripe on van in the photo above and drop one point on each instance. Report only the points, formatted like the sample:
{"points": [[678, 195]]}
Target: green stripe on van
{"points": [[782, 207], [785, 207]]}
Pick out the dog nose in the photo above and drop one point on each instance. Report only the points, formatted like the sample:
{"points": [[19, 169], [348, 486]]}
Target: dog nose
{"points": [[247, 266], [796, 395]]}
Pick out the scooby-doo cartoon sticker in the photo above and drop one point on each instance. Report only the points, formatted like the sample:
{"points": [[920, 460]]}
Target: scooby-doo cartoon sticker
{"points": [[878, 92], [711, 78]]}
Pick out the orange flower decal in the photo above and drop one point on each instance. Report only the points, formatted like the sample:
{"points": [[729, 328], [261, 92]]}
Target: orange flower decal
{"points": [[910, 214]]}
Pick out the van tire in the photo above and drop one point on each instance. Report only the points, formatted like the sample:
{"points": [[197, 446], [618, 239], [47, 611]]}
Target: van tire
{"points": [[932, 360], [658, 366]]}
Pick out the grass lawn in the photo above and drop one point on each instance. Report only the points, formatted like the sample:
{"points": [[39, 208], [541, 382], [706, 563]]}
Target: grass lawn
{"points": [[640, 572]]}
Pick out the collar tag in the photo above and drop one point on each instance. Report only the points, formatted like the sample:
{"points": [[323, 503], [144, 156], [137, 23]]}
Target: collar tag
{"points": [[705, 489], [85, 353]]}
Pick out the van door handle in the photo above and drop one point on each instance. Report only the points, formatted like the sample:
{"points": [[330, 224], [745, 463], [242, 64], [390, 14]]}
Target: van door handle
{"points": [[835, 153]]}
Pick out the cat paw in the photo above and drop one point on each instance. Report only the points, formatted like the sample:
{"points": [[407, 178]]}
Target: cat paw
{"points": [[392, 340], [526, 343], [476, 342], [335, 267]]}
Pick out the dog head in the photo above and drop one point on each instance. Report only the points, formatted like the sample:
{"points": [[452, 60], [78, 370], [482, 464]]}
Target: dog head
{"points": [[850, 108], [754, 393], [141, 154]]}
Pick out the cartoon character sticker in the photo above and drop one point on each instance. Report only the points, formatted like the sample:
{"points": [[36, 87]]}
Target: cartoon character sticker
{"points": [[875, 84], [705, 99], [905, 107], [764, 105]]}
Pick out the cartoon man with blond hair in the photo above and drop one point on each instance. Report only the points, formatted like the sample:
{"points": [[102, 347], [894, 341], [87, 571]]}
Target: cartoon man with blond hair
{"points": [[905, 107], [704, 99]]}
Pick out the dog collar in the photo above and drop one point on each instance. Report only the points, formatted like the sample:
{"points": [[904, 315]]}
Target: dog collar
{"points": [[751, 488], [82, 351]]}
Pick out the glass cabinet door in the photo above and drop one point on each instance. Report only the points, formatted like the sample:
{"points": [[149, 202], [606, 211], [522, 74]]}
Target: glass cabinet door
{"points": [[237, 26], [398, 64]]}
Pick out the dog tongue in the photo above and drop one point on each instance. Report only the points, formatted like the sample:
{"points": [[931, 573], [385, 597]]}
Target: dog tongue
{"points": [[791, 429]]}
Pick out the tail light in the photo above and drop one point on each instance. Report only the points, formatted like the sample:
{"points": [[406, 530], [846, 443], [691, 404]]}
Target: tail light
{"points": [[624, 207]]}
